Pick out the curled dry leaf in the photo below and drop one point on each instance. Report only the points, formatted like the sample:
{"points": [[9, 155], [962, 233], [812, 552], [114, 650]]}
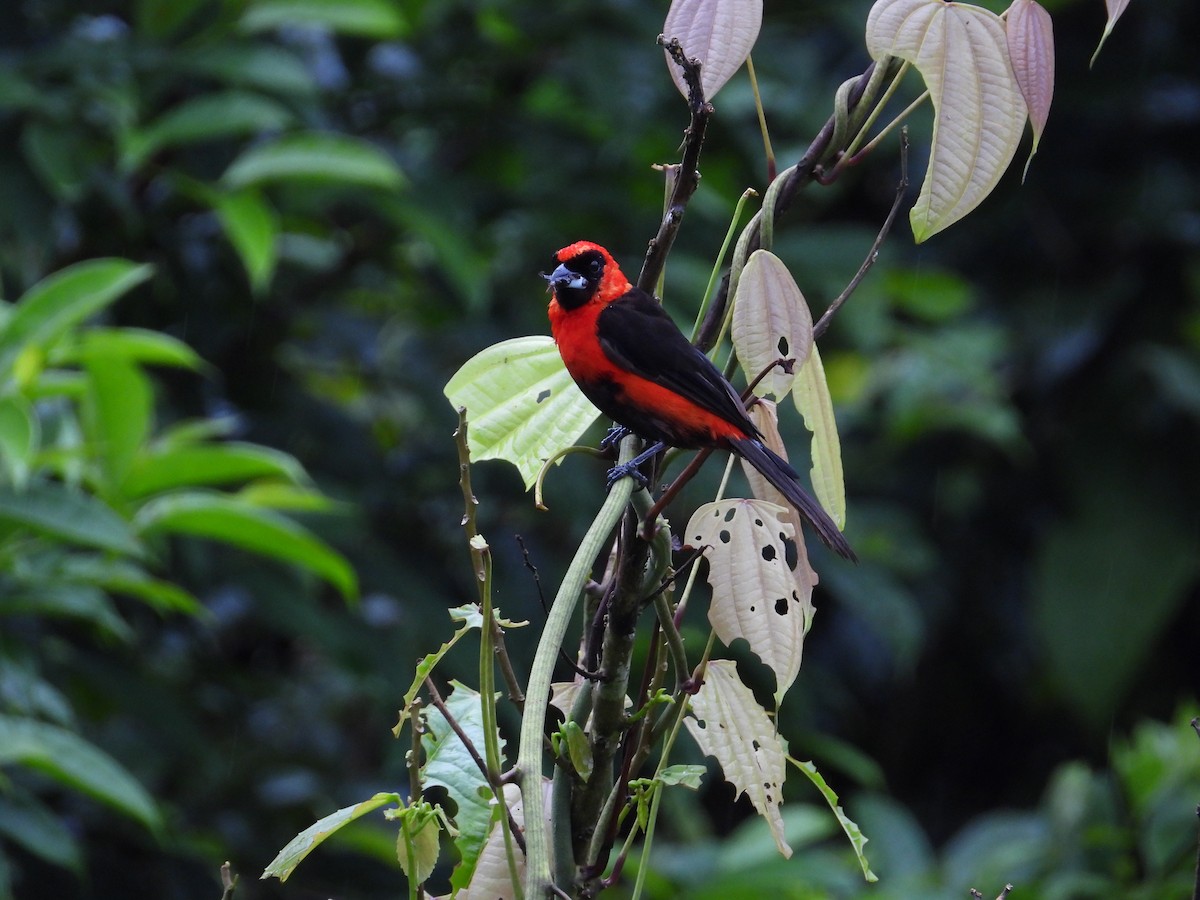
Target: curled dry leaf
{"points": [[720, 33]]}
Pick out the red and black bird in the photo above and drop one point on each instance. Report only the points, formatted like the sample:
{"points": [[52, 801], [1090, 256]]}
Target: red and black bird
{"points": [[632, 361]]}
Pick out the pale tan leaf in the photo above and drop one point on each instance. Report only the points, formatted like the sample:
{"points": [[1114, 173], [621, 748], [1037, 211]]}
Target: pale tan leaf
{"points": [[766, 419], [755, 595], [492, 879], [811, 395], [731, 726], [771, 321], [1031, 51], [961, 52], [720, 33], [1115, 8]]}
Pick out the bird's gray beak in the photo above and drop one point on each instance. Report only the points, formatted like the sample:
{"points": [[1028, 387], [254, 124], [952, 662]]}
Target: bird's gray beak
{"points": [[562, 277]]}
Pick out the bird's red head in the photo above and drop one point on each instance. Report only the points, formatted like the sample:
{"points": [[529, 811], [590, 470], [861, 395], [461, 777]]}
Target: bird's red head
{"points": [[586, 272]]}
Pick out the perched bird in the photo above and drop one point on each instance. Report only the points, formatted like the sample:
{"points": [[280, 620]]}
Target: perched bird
{"points": [[632, 361]]}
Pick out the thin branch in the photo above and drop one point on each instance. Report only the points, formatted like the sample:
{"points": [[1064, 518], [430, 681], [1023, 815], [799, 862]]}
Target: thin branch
{"points": [[826, 318], [687, 179], [228, 881], [496, 784]]}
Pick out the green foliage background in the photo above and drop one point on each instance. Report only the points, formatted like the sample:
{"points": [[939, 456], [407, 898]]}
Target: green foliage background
{"points": [[342, 203]]}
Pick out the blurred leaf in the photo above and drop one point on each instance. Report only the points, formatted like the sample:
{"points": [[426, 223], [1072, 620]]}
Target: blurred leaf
{"points": [[448, 764], [19, 438], [183, 465], [720, 33], [208, 117], [123, 577], [252, 226], [263, 66], [138, 345], [1108, 579], [979, 114], [57, 511], [56, 154], [996, 849], [64, 299], [116, 413], [71, 601], [257, 530], [34, 827], [931, 294], [522, 404], [161, 18], [315, 156], [306, 841], [364, 18], [76, 763]]}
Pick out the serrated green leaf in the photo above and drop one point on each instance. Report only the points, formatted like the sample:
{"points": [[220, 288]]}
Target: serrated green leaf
{"points": [[364, 18], [470, 618], [687, 775], [417, 842], [448, 764], [522, 405], [76, 763], [306, 841], [252, 226], [64, 299], [177, 466], [811, 395], [857, 839], [258, 530], [314, 157], [57, 511]]}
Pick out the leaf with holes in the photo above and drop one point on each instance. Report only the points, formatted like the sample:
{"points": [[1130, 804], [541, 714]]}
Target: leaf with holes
{"points": [[720, 33], [764, 416], [816, 406], [730, 725], [771, 321], [522, 405], [978, 112], [492, 879], [1031, 51], [755, 595]]}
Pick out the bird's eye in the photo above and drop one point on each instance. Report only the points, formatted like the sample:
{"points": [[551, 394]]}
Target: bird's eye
{"points": [[595, 267]]}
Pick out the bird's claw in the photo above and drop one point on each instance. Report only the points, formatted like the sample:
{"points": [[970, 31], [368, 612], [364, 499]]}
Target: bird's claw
{"points": [[615, 435], [627, 470]]}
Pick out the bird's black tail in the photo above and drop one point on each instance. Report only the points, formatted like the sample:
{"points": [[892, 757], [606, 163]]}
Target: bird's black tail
{"points": [[787, 482]]}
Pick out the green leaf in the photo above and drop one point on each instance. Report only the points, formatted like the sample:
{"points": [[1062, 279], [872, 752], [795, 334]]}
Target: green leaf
{"points": [[207, 117], [448, 764], [56, 511], [69, 759], [139, 345], [687, 775], [363, 18], [70, 601], [470, 618], [176, 466], [123, 577], [31, 825], [522, 405], [19, 438], [59, 157], [116, 413], [302, 844], [257, 530], [315, 157], [64, 299], [811, 395], [857, 840], [261, 66], [252, 226], [417, 842]]}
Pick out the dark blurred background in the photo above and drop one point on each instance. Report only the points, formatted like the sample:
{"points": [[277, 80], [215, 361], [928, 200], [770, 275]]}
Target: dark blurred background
{"points": [[1019, 404]]}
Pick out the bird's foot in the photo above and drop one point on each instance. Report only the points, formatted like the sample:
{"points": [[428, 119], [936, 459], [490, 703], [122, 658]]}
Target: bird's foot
{"points": [[628, 470], [615, 435]]}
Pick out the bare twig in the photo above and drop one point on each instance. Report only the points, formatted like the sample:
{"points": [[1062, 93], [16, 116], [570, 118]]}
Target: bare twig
{"points": [[687, 178], [228, 881], [823, 323]]}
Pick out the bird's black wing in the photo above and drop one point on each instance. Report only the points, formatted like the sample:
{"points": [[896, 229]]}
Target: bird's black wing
{"points": [[638, 335]]}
